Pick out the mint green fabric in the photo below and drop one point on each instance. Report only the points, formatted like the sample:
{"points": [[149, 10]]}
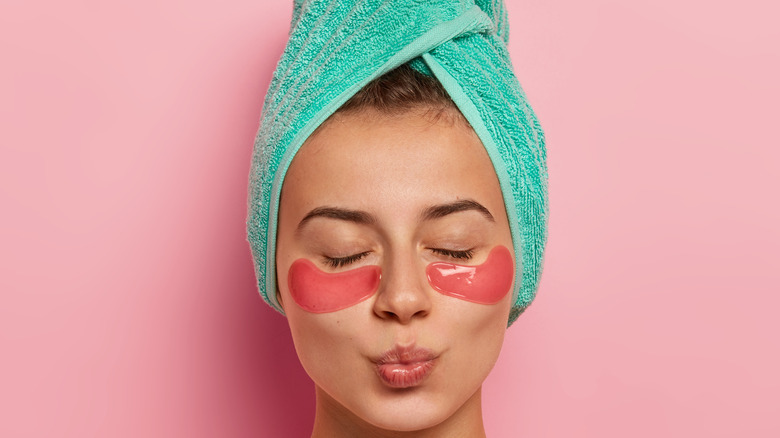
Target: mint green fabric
{"points": [[337, 47]]}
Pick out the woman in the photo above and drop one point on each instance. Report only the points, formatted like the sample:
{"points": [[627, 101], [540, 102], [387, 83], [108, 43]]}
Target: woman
{"points": [[398, 210]]}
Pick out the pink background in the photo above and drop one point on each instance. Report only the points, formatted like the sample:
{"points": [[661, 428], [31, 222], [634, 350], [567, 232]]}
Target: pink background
{"points": [[128, 303]]}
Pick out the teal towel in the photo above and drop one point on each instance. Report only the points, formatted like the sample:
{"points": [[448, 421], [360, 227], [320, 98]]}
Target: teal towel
{"points": [[336, 47]]}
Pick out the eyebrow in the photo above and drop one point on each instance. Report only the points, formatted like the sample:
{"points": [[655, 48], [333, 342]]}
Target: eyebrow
{"points": [[363, 218], [439, 211], [356, 216]]}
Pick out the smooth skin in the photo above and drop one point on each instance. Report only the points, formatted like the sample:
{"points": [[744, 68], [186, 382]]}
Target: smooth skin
{"points": [[399, 192]]}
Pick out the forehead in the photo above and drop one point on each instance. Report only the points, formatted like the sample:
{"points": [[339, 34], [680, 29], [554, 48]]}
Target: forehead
{"points": [[384, 163]]}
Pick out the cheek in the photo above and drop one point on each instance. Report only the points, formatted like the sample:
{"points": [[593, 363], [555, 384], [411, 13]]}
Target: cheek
{"points": [[487, 283], [320, 292]]}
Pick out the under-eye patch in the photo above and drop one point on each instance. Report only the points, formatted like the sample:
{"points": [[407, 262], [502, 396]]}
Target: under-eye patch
{"points": [[317, 291], [322, 292], [487, 283]]}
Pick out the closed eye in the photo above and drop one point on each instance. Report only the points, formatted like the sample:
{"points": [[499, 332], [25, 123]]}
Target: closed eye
{"points": [[338, 262], [462, 255]]}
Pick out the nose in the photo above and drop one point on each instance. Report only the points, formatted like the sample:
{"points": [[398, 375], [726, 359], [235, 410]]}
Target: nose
{"points": [[403, 293]]}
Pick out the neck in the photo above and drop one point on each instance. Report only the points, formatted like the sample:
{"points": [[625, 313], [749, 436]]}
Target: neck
{"points": [[333, 419]]}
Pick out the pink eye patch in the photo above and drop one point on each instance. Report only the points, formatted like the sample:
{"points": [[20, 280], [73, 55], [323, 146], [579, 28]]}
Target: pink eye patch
{"points": [[321, 292], [487, 283]]}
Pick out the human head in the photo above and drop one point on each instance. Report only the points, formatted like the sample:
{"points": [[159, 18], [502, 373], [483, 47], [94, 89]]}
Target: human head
{"points": [[496, 155], [462, 45], [397, 150]]}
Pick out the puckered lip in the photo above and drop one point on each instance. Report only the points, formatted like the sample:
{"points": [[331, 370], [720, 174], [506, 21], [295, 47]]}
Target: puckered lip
{"points": [[405, 355], [405, 367]]}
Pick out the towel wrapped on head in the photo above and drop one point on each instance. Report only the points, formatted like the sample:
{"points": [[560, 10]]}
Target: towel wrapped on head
{"points": [[336, 48]]}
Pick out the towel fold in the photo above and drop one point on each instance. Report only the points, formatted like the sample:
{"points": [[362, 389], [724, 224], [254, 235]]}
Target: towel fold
{"points": [[337, 47]]}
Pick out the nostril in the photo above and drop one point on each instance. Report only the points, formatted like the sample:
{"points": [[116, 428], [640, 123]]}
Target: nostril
{"points": [[402, 317], [420, 313]]}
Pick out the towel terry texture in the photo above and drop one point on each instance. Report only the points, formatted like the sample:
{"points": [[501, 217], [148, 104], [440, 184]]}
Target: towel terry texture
{"points": [[336, 47]]}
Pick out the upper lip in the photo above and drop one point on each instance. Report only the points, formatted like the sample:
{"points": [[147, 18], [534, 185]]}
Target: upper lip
{"points": [[405, 355]]}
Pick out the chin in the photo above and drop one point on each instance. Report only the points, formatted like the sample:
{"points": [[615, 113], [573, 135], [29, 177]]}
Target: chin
{"points": [[415, 409], [408, 416]]}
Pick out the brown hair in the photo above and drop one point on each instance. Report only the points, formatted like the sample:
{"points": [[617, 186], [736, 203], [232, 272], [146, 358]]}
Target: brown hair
{"points": [[401, 90]]}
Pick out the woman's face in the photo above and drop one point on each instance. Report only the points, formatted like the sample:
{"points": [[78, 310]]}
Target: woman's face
{"points": [[376, 212]]}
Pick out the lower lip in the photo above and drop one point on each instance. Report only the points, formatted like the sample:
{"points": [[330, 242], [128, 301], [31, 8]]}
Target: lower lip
{"points": [[400, 375]]}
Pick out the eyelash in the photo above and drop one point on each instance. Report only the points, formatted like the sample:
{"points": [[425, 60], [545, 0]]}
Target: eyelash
{"points": [[465, 255], [337, 262]]}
